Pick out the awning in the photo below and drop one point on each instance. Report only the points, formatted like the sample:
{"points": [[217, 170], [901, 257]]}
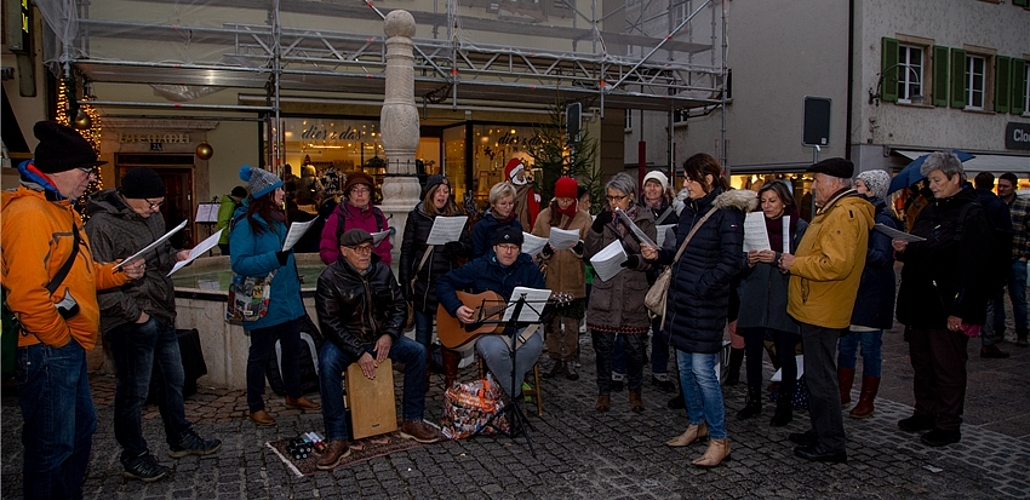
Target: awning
{"points": [[995, 164]]}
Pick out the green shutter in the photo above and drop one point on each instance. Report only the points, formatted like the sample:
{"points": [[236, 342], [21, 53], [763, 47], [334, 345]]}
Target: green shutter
{"points": [[958, 78], [1018, 86], [1021, 3], [940, 76], [1002, 83], [888, 82]]}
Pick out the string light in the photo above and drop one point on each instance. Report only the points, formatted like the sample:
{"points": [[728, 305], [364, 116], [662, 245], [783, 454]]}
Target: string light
{"points": [[92, 135]]}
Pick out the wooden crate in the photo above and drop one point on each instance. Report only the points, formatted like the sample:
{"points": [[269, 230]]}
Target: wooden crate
{"points": [[371, 402]]}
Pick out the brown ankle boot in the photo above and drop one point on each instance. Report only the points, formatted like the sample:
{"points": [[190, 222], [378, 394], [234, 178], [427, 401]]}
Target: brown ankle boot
{"points": [[450, 366], [693, 433], [845, 378], [718, 450], [636, 402], [864, 408], [604, 402]]}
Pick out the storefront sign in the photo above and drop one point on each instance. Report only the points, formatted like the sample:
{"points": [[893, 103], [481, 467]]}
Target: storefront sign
{"points": [[1017, 136], [154, 138], [322, 133]]}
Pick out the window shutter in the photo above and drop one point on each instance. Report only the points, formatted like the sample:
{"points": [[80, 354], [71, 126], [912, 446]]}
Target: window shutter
{"points": [[1018, 86], [940, 76], [1021, 3], [888, 82], [958, 78], [1002, 83]]}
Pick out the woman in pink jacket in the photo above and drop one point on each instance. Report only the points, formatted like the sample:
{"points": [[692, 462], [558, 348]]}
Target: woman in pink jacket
{"points": [[355, 212]]}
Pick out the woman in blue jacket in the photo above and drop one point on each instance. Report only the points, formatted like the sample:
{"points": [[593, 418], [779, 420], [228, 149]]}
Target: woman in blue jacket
{"points": [[257, 239]]}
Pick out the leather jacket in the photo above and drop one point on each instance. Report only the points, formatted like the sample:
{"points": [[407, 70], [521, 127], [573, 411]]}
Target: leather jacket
{"points": [[355, 309]]}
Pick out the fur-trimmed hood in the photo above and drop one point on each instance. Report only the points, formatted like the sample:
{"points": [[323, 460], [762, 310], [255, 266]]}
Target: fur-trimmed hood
{"points": [[744, 200]]}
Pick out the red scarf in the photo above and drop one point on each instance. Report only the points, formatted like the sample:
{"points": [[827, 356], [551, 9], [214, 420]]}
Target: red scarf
{"points": [[569, 211]]}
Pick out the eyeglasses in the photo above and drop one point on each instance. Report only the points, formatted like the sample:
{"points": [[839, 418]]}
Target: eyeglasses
{"points": [[616, 198], [360, 191], [152, 205], [508, 247], [362, 249], [88, 170]]}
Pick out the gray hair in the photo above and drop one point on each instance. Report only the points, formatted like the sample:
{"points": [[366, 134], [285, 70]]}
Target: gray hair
{"points": [[946, 162], [623, 183], [500, 191]]}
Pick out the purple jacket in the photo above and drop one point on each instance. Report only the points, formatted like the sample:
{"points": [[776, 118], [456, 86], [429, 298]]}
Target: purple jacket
{"points": [[371, 219]]}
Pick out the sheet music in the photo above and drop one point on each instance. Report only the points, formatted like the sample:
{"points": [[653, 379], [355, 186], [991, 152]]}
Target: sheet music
{"points": [[379, 236], [297, 229], [786, 234], [446, 229], [898, 235], [536, 298], [197, 251], [207, 212], [532, 244], [563, 239], [608, 262], [152, 245], [755, 235], [661, 230], [641, 237]]}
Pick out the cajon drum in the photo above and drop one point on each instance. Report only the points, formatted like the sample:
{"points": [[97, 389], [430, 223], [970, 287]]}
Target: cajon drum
{"points": [[371, 402]]}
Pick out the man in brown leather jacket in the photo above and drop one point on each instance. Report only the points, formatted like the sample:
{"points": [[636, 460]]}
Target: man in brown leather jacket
{"points": [[361, 313]]}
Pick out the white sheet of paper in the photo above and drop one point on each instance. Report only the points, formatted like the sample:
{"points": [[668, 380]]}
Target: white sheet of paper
{"points": [[297, 229], [755, 235], [379, 236], [446, 230], [152, 245], [898, 235], [207, 212], [532, 244], [641, 237], [800, 360], [563, 239], [786, 234], [661, 230], [608, 262], [197, 251], [536, 299]]}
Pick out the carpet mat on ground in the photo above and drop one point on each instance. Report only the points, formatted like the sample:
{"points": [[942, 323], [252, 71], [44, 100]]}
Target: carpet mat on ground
{"points": [[361, 450]]}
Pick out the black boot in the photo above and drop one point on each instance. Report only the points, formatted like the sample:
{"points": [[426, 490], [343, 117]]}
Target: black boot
{"points": [[753, 407], [784, 411], [736, 359]]}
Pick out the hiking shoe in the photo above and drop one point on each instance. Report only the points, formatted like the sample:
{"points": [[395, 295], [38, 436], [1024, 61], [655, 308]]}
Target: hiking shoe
{"points": [[145, 468], [193, 444], [420, 431], [337, 450]]}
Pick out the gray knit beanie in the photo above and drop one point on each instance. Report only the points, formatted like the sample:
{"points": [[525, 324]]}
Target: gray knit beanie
{"points": [[261, 182], [878, 182]]}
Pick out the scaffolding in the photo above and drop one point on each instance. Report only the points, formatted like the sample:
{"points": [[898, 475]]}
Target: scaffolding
{"points": [[662, 55]]}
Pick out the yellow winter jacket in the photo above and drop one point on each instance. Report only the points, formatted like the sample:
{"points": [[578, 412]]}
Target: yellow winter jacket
{"points": [[36, 237], [828, 263]]}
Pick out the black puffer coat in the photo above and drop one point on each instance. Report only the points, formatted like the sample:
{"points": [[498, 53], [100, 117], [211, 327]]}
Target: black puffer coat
{"points": [[699, 295], [874, 306], [440, 261], [946, 275], [354, 310]]}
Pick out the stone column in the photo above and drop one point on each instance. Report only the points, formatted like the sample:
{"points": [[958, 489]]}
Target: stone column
{"points": [[398, 122]]}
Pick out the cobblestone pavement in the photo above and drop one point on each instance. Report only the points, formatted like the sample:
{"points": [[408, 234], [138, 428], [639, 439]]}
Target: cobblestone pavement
{"points": [[585, 454]]}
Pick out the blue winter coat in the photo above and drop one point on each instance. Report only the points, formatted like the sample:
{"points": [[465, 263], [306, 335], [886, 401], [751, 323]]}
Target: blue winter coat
{"points": [[763, 292], [699, 294], [485, 273], [874, 306], [254, 255], [483, 233]]}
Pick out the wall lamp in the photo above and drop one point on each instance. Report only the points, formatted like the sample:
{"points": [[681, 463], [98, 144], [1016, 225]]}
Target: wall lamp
{"points": [[877, 96]]}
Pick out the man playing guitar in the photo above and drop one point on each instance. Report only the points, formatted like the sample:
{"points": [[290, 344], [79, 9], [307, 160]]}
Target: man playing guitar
{"points": [[500, 271]]}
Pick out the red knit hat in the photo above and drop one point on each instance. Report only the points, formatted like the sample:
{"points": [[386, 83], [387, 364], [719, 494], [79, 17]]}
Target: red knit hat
{"points": [[513, 168], [566, 187]]}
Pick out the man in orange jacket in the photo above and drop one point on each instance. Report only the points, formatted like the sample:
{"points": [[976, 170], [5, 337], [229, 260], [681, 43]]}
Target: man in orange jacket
{"points": [[41, 234]]}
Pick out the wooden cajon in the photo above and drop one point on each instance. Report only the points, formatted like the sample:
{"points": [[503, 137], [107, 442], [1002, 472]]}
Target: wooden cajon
{"points": [[371, 402]]}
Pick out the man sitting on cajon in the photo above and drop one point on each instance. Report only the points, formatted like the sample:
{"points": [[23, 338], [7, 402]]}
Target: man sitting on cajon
{"points": [[361, 313]]}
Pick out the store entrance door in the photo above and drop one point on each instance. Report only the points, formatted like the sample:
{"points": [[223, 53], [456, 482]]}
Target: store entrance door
{"points": [[176, 172]]}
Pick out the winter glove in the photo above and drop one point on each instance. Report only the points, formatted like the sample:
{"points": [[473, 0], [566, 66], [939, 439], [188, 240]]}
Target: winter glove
{"points": [[602, 218], [282, 257], [578, 249], [547, 252], [632, 261]]}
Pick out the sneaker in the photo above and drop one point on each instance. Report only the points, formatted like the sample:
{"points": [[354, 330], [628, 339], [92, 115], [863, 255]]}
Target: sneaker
{"points": [[420, 431], [570, 371], [557, 368], [618, 382], [992, 351], [145, 468], [193, 444]]}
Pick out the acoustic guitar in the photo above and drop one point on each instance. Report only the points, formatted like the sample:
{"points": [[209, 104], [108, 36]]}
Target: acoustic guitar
{"points": [[488, 307]]}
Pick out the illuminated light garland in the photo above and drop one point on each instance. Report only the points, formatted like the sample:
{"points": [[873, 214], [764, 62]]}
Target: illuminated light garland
{"points": [[91, 134]]}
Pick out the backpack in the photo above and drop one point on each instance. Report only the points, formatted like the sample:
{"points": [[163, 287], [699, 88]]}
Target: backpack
{"points": [[378, 214]]}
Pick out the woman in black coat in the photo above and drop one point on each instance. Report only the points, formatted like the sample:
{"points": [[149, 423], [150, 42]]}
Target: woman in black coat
{"points": [[699, 295]]}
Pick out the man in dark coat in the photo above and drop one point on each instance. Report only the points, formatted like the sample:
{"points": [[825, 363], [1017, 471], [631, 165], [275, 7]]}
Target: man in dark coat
{"points": [[361, 312], [1001, 244]]}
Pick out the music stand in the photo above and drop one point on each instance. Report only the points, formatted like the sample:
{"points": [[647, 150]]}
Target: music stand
{"points": [[517, 419]]}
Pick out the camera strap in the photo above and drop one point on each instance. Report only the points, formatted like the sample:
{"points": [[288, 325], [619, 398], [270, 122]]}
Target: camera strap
{"points": [[67, 266]]}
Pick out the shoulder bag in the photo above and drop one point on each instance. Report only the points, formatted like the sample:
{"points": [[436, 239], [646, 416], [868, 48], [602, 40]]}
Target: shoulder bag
{"points": [[656, 295]]}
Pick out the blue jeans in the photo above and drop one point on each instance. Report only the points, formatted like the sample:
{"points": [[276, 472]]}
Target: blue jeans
{"points": [[262, 346], [872, 358], [53, 391], [1017, 293], [497, 356], [423, 328], [619, 356], [332, 362], [701, 391], [139, 350]]}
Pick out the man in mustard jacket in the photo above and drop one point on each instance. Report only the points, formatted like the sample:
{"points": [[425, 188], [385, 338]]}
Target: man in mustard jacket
{"points": [[41, 234], [824, 276]]}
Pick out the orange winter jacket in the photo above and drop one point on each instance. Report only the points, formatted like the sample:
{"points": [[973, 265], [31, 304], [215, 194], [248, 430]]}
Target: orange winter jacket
{"points": [[36, 238]]}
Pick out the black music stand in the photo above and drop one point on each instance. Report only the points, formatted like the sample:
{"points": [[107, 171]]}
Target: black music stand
{"points": [[516, 417]]}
